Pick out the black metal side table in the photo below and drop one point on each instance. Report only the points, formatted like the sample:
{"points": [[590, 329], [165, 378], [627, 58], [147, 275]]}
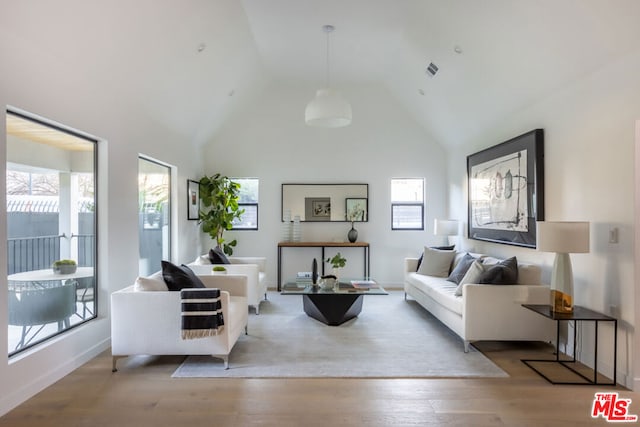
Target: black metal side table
{"points": [[580, 314]]}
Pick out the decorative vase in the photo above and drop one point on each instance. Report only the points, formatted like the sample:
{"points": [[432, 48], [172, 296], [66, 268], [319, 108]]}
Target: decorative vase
{"points": [[296, 234], [352, 234]]}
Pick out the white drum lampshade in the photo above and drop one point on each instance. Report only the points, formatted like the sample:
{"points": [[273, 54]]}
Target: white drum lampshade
{"points": [[446, 227], [563, 238]]}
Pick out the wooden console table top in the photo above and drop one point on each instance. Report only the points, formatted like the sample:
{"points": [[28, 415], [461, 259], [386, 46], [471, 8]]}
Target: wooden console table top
{"points": [[323, 244]]}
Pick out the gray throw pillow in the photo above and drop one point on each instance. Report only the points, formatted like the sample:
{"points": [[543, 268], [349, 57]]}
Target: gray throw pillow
{"points": [[436, 263], [502, 273], [473, 275], [441, 248], [461, 269]]}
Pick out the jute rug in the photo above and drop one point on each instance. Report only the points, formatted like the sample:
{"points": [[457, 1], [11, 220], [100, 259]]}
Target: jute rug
{"points": [[391, 338]]}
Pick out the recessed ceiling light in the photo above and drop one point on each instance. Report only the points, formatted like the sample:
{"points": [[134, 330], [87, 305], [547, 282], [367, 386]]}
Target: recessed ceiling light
{"points": [[201, 47], [457, 49]]}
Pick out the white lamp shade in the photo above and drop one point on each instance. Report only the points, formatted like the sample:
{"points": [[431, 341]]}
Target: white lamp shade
{"points": [[445, 227], [563, 237], [328, 109]]}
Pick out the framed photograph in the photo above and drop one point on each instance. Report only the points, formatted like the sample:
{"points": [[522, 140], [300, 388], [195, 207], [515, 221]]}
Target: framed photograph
{"points": [[193, 199], [355, 209], [317, 208], [506, 190]]}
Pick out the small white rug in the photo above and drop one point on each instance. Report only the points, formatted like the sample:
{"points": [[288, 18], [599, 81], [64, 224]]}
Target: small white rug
{"points": [[391, 338]]}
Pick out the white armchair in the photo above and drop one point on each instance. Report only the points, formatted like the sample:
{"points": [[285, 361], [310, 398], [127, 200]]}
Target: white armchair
{"points": [[252, 267], [149, 321]]}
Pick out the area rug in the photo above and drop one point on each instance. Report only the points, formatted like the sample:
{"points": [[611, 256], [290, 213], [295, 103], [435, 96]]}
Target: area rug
{"points": [[391, 338]]}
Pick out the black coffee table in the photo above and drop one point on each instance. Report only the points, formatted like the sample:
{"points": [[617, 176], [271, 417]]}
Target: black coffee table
{"points": [[333, 306]]}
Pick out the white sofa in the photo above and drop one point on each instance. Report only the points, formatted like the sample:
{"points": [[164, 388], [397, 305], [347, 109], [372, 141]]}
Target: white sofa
{"points": [[252, 267], [483, 312], [149, 321]]}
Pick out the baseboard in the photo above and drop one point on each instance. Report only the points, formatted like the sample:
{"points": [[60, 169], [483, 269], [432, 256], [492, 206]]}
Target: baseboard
{"points": [[23, 392]]}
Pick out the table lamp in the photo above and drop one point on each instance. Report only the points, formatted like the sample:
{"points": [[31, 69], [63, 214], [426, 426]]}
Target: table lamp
{"points": [[563, 238], [446, 227]]}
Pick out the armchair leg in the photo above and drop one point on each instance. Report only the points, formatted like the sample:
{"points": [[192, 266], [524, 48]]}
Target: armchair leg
{"points": [[466, 346], [114, 360]]}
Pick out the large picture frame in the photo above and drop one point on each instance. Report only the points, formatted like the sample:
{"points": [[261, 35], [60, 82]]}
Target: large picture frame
{"points": [[193, 199], [506, 190]]}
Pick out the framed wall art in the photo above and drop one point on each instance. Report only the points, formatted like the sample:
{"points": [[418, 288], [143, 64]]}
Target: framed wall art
{"points": [[506, 190], [317, 208], [193, 199], [356, 209]]}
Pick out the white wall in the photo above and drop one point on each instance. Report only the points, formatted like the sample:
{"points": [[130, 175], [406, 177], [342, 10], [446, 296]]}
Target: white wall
{"points": [[35, 81], [270, 141], [589, 174]]}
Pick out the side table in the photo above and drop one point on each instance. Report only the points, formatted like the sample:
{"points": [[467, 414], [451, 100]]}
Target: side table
{"points": [[580, 314]]}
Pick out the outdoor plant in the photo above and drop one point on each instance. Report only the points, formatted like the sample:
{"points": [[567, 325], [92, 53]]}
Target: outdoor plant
{"points": [[219, 200], [60, 262], [337, 261]]}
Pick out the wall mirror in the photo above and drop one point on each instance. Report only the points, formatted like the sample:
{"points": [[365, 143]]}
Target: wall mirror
{"points": [[326, 202]]}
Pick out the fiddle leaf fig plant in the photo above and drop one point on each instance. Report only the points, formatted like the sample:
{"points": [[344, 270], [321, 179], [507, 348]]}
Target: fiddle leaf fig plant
{"points": [[219, 200]]}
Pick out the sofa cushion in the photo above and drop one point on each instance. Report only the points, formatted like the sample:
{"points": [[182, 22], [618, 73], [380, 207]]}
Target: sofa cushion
{"points": [[473, 274], [461, 268], [216, 256], [442, 248], [155, 282], [503, 273], [436, 262], [438, 289], [179, 277]]}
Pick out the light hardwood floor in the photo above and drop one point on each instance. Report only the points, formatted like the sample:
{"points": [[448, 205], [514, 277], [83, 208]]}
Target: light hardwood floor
{"points": [[142, 393]]}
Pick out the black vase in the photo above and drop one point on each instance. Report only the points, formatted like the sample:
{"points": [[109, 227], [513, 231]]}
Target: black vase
{"points": [[352, 234], [314, 272]]}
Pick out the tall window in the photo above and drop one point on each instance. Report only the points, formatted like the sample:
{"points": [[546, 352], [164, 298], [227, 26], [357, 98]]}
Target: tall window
{"points": [[154, 214], [51, 230], [249, 202], [407, 204]]}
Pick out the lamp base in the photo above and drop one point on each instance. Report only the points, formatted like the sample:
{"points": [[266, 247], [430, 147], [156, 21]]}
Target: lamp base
{"points": [[562, 284]]}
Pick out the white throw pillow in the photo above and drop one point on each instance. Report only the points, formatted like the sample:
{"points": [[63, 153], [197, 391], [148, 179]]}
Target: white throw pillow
{"points": [[202, 260], [473, 274], [155, 282], [436, 262]]}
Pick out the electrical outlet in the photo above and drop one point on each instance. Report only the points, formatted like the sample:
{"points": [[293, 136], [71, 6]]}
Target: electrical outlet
{"points": [[613, 235]]}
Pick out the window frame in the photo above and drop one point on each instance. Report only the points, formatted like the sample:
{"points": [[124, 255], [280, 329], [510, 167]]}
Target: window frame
{"points": [[96, 212], [395, 204], [242, 205]]}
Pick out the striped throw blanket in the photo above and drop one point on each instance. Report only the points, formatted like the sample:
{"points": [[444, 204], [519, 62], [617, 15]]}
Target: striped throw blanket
{"points": [[201, 312]]}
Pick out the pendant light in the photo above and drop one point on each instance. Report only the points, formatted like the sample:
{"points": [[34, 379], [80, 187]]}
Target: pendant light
{"points": [[329, 108]]}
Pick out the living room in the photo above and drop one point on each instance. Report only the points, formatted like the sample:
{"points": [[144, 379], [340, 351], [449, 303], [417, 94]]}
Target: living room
{"points": [[118, 73]]}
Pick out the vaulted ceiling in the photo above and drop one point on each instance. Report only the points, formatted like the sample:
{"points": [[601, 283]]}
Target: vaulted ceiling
{"points": [[192, 63]]}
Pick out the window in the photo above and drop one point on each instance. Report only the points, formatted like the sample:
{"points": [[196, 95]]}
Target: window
{"points": [[154, 215], [407, 204], [51, 217], [249, 202]]}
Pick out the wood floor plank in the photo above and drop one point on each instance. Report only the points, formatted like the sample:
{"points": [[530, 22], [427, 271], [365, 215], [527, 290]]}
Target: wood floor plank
{"points": [[142, 393]]}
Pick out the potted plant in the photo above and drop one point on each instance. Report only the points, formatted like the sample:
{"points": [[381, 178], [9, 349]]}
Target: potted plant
{"points": [[64, 266], [337, 262], [219, 198]]}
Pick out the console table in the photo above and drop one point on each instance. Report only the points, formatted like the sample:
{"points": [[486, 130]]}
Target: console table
{"points": [[580, 314], [322, 246]]}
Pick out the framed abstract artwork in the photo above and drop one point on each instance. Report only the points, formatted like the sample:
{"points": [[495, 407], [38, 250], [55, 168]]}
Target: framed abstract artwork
{"points": [[506, 190], [193, 199]]}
